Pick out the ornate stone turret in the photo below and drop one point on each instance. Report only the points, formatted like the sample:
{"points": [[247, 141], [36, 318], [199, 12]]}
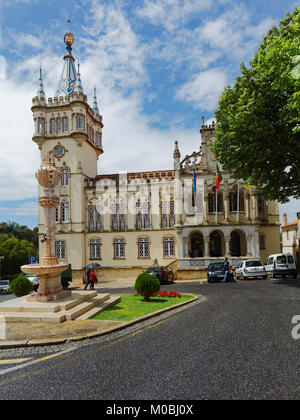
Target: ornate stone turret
{"points": [[78, 85], [176, 157], [41, 90], [67, 81]]}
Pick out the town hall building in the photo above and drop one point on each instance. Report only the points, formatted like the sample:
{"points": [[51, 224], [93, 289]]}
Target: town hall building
{"points": [[126, 222]]}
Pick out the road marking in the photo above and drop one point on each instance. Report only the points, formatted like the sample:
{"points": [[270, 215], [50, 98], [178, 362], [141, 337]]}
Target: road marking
{"points": [[38, 371], [13, 361], [32, 362]]}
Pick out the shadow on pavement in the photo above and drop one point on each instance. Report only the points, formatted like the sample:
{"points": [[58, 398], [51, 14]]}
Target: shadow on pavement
{"points": [[287, 282]]}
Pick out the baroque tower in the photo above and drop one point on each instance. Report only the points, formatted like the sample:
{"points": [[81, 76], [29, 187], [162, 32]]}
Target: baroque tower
{"points": [[71, 129]]}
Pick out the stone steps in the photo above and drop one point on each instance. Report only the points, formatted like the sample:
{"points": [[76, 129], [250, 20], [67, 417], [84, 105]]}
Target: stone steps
{"points": [[99, 308], [71, 308]]}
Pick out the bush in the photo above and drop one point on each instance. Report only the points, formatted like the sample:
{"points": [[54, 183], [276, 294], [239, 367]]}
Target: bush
{"points": [[21, 286], [146, 284]]}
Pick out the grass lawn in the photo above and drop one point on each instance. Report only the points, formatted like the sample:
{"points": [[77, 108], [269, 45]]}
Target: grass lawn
{"points": [[132, 307]]}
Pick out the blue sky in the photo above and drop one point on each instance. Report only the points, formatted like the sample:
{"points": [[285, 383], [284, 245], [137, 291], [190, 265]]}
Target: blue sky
{"points": [[159, 65]]}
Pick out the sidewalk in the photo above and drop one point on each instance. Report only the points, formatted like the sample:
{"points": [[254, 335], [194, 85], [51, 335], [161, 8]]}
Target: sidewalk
{"points": [[124, 284]]}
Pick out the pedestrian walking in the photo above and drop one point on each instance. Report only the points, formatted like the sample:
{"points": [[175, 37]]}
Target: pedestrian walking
{"points": [[87, 279], [93, 280], [227, 269]]}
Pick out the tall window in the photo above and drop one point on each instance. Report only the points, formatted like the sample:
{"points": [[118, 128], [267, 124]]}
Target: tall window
{"points": [[64, 177], [94, 219], [212, 202], [139, 217], [41, 125], [169, 247], [115, 218], [118, 217], [80, 122], [233, 202], [119, 248], [146, 211], [260, 205], [95, 249], [52, 126], [60, 249], [98, 139], [58, 124], [143, 248], [64, 210], [164, 214], [172, 214], [56, 214], [122, 216], [65, 124]]}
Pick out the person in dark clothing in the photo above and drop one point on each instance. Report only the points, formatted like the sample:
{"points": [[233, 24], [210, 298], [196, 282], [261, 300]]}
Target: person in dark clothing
{"points": [[227, 268], [87, 279]]}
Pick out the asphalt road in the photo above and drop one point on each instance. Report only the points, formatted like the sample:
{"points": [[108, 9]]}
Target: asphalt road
{"points": [[237, 344]]}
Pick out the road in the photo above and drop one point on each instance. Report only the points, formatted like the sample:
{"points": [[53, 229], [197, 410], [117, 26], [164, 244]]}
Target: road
{"points": [[237, 344]]}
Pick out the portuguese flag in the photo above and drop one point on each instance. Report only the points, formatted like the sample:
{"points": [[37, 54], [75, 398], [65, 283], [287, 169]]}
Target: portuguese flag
{"points": [[218, 177]]}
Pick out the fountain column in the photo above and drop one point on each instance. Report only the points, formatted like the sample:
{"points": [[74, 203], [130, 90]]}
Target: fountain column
{"points": [[49, 271]]}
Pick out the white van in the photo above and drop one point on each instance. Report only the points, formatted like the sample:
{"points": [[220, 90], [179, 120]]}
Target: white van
{"points": [[281, 265]]}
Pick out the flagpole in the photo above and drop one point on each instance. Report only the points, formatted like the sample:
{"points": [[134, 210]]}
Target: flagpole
{"points": [[216, 205]]}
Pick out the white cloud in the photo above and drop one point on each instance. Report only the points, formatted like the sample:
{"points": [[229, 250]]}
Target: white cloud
{"points": [[204, 89], [25, 209], [171, 13]]}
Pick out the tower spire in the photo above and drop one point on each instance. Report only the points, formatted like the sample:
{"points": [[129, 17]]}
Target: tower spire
{"points": [[95, 104], [41, 90], [78, 85], [67, 81]]}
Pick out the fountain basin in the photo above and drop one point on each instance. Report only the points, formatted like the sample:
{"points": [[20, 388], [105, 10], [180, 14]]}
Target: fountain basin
{"points": [[44, 269]]}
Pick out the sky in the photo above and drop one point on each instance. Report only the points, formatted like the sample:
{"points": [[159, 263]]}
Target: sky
{"points": [[158, 65]]}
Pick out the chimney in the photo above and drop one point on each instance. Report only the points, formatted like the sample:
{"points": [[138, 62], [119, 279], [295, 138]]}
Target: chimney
{"points": [[284, 219]]}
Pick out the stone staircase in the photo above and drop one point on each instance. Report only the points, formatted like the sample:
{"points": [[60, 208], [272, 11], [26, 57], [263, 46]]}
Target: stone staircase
{"points": [[81, 305]]}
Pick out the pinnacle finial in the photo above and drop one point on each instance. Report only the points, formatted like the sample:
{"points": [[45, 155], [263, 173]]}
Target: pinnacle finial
{"points": [[41, 90], [95, 104]]}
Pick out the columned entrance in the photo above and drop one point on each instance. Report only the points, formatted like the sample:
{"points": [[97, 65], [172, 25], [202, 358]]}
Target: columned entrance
{"points": [[238, 244]]}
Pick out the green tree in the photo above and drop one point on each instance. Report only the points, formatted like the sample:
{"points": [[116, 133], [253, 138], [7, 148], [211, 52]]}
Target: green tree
{"points": [[258, 119]]}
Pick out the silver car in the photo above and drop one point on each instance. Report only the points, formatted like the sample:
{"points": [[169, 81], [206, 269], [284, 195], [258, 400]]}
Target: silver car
{"points": [[251, 268], [4, 286]]}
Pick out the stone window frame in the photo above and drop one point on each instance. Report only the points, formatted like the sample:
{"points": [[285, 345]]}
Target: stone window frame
{"points": [[262, 241], [65, 210], [140, 242], [119, 242], [63, 250], [168, 239], [97, 243]]}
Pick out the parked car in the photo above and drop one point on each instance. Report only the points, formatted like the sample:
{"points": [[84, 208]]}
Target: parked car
{"points": [[251, 268], [281, 265], [215, 272], [164, 275], [34, 278], [4, 286], [66, 277]]}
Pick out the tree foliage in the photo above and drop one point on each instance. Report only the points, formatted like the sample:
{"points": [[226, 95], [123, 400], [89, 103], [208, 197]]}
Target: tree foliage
{"points": [[258, 119], [15, 248]]}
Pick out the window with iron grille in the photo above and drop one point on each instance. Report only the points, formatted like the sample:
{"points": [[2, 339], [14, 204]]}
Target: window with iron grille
{"points": [[139, 217], [60, 249], [98, 139], [122, 216], [95, 249], [115, 217], [164, 214], [172, 214], [91, 212], [143, 248], [119, 248], [64, 211], [262, 244], [260, 205], [64, 177], [98, 220], [212, 202], [147, 211], [169, 247], [56, 214]]}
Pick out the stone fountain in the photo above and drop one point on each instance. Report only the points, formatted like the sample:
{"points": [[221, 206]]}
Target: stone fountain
{"points": [[49, 271]]}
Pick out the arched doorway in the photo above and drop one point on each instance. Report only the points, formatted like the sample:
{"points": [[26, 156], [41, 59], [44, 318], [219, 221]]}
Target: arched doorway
{"points": [[238, 244], [196, 249], [216, 244]]}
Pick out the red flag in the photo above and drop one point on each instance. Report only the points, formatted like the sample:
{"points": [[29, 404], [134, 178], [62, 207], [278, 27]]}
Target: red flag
{"points": [[218, 178]]}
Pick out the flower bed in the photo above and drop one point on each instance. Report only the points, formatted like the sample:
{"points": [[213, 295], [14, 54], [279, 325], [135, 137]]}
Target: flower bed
{"points": [[164, 293]]}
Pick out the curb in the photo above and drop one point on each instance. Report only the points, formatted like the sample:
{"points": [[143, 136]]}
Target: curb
{"points": [[4, 345]]}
